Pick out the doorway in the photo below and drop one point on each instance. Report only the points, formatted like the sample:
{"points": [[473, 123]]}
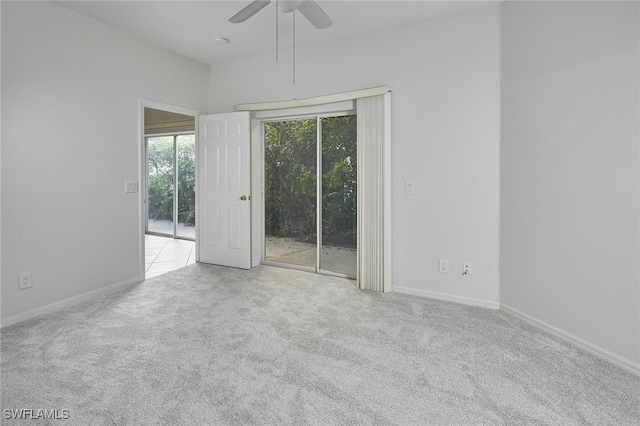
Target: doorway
{"points": [[168, 149], [170, 170], [310, 193]]}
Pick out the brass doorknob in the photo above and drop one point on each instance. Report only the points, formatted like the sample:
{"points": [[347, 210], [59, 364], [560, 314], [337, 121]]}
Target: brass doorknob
{"points": [[243, 198]]}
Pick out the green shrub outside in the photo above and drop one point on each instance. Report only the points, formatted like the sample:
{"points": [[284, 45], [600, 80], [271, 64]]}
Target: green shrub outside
{"points": [[290, 180], [160, 178]]}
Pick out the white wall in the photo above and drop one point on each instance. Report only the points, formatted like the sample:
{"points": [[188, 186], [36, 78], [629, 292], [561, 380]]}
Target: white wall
{"points": [[570, 170], [445, 76], [569, 160], [70, 138]]}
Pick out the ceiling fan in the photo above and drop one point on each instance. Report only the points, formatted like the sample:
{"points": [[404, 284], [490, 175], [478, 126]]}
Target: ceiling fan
{"points": [[308, 8]]}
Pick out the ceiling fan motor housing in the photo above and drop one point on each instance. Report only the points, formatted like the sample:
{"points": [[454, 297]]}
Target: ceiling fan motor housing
{"points": [[288, 5]]}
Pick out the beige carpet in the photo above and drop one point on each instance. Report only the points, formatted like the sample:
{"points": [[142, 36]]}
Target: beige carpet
{"points": [[212, 345]]}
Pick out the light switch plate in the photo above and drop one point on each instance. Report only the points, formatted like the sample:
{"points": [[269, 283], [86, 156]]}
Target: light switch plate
{"points": [[409, 187], [131, 186]]}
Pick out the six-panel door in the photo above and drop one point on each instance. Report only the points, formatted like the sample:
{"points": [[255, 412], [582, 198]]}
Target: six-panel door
{"points": [[224, 190]]}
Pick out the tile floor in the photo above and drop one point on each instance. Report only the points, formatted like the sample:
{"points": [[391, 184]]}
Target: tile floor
{"points": [[164, 254], [166, 227]]}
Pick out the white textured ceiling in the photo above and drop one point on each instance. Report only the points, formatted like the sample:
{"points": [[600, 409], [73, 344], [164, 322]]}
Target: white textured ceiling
{"points": [[188, 27]]}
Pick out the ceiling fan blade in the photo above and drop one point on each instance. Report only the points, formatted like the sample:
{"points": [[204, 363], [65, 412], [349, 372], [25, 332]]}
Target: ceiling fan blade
{"points": [[246, 13], [314, 14]]}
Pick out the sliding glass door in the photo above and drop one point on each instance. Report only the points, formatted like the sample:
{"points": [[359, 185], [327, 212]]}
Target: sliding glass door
{"points": [[171, 185], [290, 192], [339, 197], [310, 194]]}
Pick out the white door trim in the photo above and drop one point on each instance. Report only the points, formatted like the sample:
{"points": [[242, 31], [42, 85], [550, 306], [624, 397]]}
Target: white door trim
{"points": [[142, 190]]}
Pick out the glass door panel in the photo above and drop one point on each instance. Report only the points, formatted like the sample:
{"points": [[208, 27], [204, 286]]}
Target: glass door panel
{"points": [[186, 178], [160, 175], [171, 185], [290, 192], [339, 196]]}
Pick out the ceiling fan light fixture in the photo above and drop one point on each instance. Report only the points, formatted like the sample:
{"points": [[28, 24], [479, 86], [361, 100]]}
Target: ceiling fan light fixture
{"points": [[221, 40]]}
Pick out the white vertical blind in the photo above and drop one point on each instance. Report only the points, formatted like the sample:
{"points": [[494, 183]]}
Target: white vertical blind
{"points": [[374, 261]]}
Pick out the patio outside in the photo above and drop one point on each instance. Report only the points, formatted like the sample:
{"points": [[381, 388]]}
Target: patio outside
{"points": [[166, 227]]}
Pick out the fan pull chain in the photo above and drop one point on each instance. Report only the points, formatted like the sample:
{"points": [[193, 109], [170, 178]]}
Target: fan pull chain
{"points": [[276, 32], [293, 82]]}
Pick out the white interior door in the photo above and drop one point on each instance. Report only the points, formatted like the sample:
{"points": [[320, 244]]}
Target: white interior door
{"points": [[224, 232]]}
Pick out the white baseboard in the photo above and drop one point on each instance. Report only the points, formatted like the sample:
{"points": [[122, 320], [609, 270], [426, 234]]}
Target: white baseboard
{"points": [[604, 354], [68, 302], [447, 297]]}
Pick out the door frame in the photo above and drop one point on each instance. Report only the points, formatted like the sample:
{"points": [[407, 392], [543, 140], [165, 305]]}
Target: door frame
{"points": [[276, 110], [142, 167], [259, 123]]}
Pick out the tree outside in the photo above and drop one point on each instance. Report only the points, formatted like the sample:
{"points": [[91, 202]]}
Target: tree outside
{"points": [[339, 181], [290, 181]]}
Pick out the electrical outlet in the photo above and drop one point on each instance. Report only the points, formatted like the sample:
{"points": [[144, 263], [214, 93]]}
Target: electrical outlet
{"points": [[25, 280], [443, 266], [466, 268], [131, 186]]}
